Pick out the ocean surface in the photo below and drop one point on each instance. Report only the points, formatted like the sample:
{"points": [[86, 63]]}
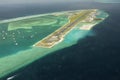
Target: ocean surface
{"points": [[95, 57]]}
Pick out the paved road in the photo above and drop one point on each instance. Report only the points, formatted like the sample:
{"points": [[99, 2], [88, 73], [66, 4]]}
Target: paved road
{"points": [[71, 24], [60, 33]]}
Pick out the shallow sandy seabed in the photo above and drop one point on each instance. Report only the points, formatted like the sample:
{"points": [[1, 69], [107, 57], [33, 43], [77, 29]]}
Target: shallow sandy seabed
{"points": [[20, 59]]}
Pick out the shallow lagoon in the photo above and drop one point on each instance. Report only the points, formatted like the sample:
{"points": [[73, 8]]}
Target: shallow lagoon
{"points": [[21, 57]]}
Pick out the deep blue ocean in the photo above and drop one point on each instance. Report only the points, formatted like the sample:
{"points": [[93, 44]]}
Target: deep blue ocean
{"points": [[96, 57]]}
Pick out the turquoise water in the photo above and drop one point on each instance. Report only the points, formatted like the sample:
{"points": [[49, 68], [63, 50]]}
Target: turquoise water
{"points": [[23, 53], [16, 46], [21, 39], [24, 57], [102, 14]]}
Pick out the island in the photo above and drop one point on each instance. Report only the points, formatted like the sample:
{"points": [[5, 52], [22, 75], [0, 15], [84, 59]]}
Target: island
{"points": [[24, 40], [75, 18]]}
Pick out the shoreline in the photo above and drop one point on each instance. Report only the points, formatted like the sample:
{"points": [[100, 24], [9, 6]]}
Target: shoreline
{"points": [[87, 16], [26, 57], [33, 16]]}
